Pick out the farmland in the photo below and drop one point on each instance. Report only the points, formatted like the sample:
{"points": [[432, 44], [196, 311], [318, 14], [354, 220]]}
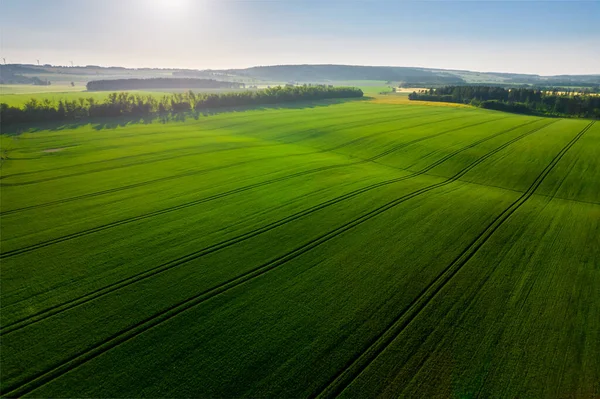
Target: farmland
{"points": [[19, 99], [352, 249]]}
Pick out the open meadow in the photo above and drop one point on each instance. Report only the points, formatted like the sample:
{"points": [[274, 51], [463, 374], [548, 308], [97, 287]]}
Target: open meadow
{"points": [[343, 248], [19, 99]]}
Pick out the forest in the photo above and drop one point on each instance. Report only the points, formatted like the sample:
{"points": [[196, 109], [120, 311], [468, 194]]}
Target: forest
{"points": [[160, 83], [122, 104], [517, 100]]}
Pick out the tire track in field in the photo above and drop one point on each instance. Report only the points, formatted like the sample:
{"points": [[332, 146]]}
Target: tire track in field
{"points": [[360, 362], [162, 141], [176, 150], [133, 331], [198, 172], [351, 124], [203, 171], [500, 332], [42, 315], [245, 145], [7, 254], [238, 120], [238, 115], [178, 138]]}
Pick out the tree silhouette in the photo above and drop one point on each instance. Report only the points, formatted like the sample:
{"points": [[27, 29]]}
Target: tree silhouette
{"points": [[123, 103]]}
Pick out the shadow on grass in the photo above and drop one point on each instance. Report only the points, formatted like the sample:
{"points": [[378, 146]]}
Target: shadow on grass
{"points": [[121, 121]]}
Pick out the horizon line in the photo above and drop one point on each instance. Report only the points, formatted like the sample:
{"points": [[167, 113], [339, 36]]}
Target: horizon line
{"points": [[288, 65]]}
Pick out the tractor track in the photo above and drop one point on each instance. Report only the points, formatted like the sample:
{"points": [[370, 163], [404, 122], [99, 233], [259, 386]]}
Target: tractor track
{"points": [[203, 171], [133, 331], [194, 153], [162, 141], [42, 315], [7, 254], [360, 362]]}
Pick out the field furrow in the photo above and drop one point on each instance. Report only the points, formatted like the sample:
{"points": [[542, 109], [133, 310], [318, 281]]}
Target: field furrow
{"points": [[224, 244], [351, 248], [197, 172], [422, 300], [191, 302]]}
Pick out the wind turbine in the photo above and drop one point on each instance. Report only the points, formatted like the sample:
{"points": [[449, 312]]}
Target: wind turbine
{"points": [[38, 62], [71, 64]]}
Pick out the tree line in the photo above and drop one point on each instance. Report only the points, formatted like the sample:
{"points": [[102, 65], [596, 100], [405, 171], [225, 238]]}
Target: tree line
{"points": [[13, 74], [138, 105], [589, 89], [518, 100], [160, 83]]}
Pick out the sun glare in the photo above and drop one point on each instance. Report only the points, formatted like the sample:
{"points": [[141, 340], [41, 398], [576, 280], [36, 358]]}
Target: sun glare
{"points": [[171, 7]]}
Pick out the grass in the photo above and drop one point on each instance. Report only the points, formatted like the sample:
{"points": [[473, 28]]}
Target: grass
{"points": [[20, 98], [18, 95], [8, 91], [357, 249]]}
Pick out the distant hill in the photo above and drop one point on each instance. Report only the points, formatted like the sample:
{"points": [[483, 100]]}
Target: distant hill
{"points": [[345, 74], [160, 83], [404, 75], [331, 73], [15, 74]]}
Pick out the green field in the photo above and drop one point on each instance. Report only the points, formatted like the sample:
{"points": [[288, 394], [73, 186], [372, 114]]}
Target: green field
{"points": [[358, 249], [18, 99], [10, 90], [18, 95]]}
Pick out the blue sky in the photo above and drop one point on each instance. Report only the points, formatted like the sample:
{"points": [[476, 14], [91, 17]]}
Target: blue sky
{"points": [[544, 37]]}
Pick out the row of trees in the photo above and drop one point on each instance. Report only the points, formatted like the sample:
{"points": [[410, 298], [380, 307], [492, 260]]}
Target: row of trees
{"points": [[569, 90], [125, 104], [160, 83], [520, 100]]}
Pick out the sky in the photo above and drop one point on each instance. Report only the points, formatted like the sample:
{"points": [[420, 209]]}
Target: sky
{"points": [[540, 37]]}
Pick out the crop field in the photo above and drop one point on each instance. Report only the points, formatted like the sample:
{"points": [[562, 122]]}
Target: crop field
{"points": [[356, 249], [19, 99], [10, 90], [19, 95]]}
